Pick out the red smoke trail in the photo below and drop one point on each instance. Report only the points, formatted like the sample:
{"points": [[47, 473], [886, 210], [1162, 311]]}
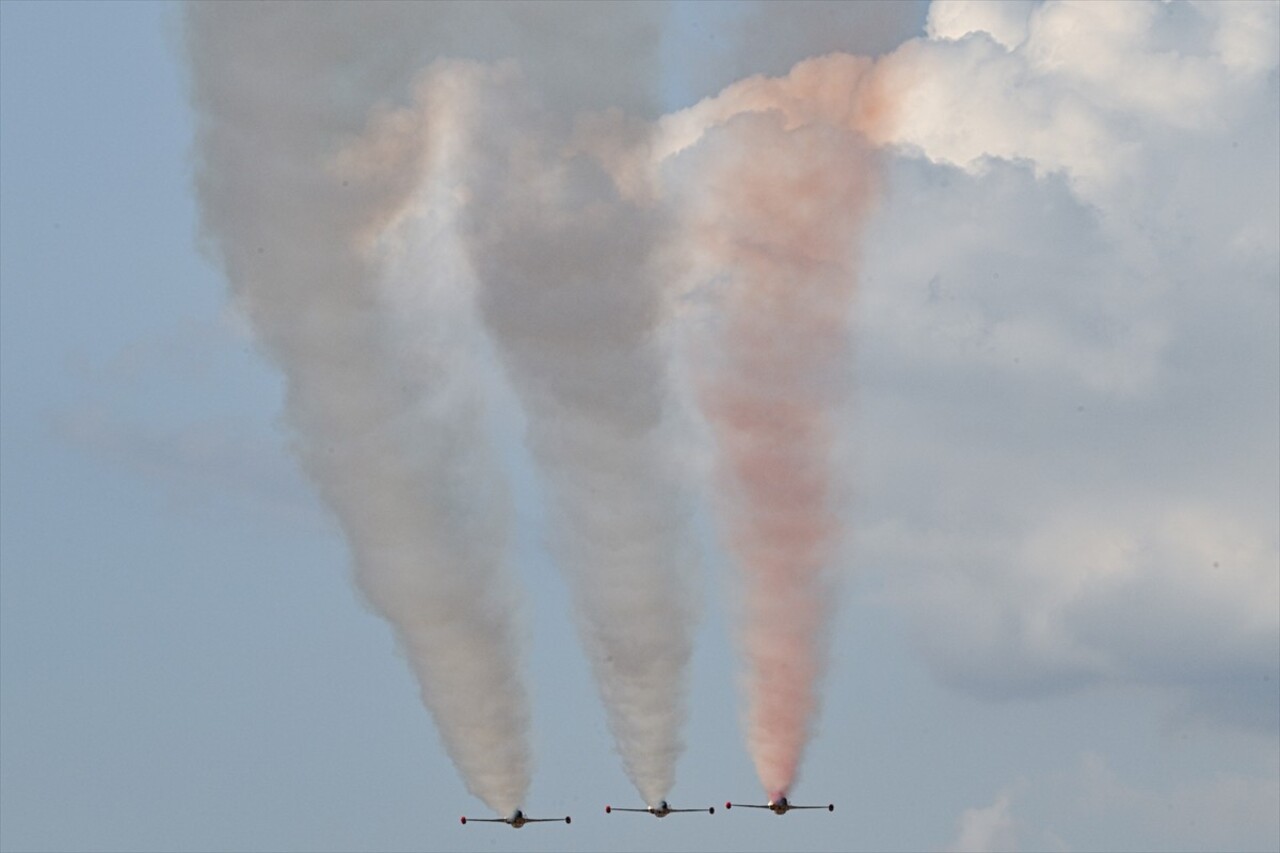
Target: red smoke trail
{"points": [[786, 191]]}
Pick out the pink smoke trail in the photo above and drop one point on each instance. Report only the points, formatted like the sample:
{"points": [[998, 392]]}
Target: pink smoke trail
{"points": [[787, 180]]}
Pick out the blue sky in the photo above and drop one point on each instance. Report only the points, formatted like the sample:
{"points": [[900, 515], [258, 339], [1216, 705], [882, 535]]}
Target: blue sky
{"points": [[1059, 629]]}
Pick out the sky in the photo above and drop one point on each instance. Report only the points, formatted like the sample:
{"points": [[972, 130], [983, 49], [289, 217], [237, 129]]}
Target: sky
{"points": [[1056, 433]]}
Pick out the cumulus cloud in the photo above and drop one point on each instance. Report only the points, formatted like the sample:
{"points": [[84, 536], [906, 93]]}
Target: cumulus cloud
{"points": [[988, 829], [1222, 811], [1092, 805], [1005, 23], [1069, 354], [1076, 87]]}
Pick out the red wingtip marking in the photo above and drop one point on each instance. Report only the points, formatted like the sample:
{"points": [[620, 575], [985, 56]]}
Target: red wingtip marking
{"points": [[608, 809], [464, 820], [728, 805]]}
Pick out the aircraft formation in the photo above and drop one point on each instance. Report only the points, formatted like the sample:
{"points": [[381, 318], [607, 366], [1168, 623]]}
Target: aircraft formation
{"points": [[517, 819], [495, 271]]}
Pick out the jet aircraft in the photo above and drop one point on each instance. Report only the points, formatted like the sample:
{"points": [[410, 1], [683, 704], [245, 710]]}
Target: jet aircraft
{"points": [[661, 810], [780, 806], [516, 820]]}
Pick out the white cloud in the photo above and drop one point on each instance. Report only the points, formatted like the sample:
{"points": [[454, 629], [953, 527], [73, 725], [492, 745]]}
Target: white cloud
{"points": [[1076, 87], [1005, 22], [987, 830], [1070, 358], [1221, 811], [1093, 805]]}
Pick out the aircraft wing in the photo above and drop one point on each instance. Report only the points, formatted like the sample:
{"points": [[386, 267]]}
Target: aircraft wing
{"points": [[548, 820]]}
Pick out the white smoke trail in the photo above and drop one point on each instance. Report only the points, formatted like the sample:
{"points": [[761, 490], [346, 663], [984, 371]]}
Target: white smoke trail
{"points": [[385, 426], [352, 298], [569, 275]]}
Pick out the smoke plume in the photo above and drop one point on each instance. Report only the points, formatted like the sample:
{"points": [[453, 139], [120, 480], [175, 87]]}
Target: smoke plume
{"points": [[395, 188], [785, 179], [568, 274], [360, 238], [383, 415]]}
